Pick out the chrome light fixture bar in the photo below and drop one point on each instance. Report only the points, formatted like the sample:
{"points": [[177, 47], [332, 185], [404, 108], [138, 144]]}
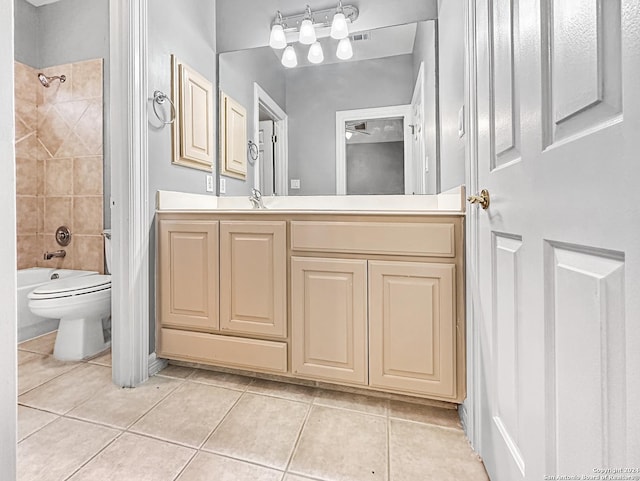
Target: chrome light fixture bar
{"points": [[319, 18]]}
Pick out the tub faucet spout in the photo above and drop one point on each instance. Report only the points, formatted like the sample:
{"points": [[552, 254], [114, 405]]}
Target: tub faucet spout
{"points": [[50, 255]]}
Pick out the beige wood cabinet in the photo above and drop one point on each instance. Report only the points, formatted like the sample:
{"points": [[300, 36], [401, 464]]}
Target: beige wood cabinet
{"points": [[329, 318], [188, 273], [369, 301], [411, 329], [253, 277]]}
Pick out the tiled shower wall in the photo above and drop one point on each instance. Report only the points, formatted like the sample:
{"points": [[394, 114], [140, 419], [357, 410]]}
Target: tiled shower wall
{"points": [[59, 165]]}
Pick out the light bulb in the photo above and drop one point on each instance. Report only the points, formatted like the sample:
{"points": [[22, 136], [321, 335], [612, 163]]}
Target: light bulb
{"points": [[289, 57], [277, 40], [339, 27], [345, 51], [316, 55], [348, 135], [307, 32]]}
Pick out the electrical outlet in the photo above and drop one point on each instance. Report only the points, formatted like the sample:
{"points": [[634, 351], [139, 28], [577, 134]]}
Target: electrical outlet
{"points": [[295, 183], [209, 183], [223, 185]]}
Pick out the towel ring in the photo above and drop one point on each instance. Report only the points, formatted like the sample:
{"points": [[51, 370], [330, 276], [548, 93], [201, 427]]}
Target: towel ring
{"points": [[159, 97], [253, 150]]}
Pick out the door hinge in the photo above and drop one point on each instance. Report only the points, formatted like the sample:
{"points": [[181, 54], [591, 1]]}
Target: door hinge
{"points": [[274, 138]]}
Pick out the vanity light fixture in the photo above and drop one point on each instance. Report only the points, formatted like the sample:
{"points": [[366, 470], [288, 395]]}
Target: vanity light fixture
{"points": [[316, 55], [345, 50], [307, 30], [306, 27], [278, 39], [339, 27], [289, 57]]}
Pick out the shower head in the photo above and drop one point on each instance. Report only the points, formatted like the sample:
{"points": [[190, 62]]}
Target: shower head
{"points": [[46, 81]]}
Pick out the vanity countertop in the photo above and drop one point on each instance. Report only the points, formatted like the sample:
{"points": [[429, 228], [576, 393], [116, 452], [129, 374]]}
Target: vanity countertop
{"points": [[451, 202]]}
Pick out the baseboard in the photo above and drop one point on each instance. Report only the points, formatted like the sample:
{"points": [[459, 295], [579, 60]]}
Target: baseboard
{"points": [[156, 364], [464, 418]]}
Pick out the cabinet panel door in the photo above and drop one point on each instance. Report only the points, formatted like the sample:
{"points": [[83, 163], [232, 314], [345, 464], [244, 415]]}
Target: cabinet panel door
{"points": [[412, 327], [253, 277], [188, 277], [329, 318]]}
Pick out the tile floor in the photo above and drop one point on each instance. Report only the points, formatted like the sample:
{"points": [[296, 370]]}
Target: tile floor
{"points": [[191, 425]]}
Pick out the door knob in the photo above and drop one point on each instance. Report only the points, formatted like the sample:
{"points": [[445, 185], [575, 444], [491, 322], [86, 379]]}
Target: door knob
{"points": [[482, 199]]}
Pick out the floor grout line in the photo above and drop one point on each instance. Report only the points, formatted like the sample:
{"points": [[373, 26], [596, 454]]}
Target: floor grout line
{"points": [[299, 436], [188, 463], [226, 415], [388, 442], [95, 455]]}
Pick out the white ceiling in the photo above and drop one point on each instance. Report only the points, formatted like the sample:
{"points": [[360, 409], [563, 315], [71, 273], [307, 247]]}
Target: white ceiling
{"points": [[40, 3]]}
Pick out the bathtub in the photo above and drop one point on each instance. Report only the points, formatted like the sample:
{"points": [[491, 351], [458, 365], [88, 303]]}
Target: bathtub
{"points": [[29, 325]]}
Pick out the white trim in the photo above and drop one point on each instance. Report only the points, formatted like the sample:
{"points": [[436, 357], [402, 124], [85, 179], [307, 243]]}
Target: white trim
{"points": [[343, 116], [281, 130], [130, 199], [420, 167], [8, 289], [471, 405], [156, 364]]}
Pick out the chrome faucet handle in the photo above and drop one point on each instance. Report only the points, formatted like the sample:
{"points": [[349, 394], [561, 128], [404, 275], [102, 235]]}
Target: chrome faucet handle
{"points": [[256, 193]]}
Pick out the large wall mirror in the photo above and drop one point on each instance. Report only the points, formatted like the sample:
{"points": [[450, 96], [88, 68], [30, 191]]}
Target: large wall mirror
{"points": [[366, 125]]}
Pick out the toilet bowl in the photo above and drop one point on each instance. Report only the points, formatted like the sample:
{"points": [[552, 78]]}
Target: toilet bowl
{"points": [[83, 305]]}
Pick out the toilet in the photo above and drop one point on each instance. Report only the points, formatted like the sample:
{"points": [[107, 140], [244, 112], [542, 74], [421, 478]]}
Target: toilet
{"points": [[83, 305]]}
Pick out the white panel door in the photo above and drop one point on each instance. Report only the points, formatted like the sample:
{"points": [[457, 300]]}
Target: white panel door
{"points": [[265, 148], [555, 264]]}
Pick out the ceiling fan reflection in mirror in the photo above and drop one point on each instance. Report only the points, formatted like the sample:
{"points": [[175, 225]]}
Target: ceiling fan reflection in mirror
{"points": [[355, 128]]}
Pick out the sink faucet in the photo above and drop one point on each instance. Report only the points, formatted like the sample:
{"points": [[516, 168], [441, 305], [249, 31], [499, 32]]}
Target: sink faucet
{"points": [[256, 199], [50, 255]]}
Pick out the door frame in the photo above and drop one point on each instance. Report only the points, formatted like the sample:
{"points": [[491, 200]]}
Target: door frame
{"points": [[344, 116], [8, 324], [132, 361], [420, 167], [470, 410], [280, 129]]}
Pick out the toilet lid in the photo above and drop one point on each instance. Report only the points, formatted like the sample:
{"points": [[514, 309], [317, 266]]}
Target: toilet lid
{"points": [[72, 287]]}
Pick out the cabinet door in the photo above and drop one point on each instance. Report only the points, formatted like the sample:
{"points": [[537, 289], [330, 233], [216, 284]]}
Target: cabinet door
{"points": [[188, 276], [412, 327], [329, 318], [253, 277]]}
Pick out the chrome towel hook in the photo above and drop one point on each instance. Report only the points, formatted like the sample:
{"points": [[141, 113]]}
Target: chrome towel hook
{"points": [[159, 98]]}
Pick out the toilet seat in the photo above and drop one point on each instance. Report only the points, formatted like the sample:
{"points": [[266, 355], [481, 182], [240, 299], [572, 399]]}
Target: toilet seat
{"points": [[72, 287]]}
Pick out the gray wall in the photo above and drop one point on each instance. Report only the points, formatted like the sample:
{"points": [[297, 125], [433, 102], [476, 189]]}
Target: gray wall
{"points": [[312, 103], [72, 31], [238, 71], [186, 29], [375, 168], [246, 23], [425, 50], [26, 45], [451, 34]]}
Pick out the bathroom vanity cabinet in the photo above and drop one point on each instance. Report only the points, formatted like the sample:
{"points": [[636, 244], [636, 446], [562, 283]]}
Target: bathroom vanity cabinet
{"points": [[365, 300]]}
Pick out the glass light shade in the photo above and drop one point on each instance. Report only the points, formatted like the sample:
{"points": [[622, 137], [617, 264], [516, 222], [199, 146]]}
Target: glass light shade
{"points": [[345, 51], [307, 32], [339, 27], [277, 40], [289, 57], [316, 55], [348, 135]]}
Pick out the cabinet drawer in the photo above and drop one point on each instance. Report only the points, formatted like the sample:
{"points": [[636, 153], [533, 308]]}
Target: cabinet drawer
{"points": [[228, 351], [402, 239]]}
